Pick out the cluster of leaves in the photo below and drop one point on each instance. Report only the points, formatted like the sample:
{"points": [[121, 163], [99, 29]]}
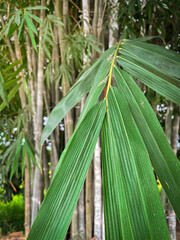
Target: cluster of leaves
{"points": [[149, 18], [20, 18], [12, 215], [9, 83], [132, 142]]}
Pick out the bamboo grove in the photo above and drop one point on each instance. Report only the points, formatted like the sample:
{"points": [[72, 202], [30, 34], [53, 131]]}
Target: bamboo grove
{"points": [[91, 73]]}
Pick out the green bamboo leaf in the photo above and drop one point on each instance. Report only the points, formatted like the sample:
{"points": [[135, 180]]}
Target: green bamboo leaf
{"points": [[80, 88], [164, 161], [131, 177], [12, 29], [16, 158], [17, 18], [11, 83], [156, 71], [3, 92], [34, 17], [23, 160], [37, 8], [20, 27], [11, 66], [9, 25], [10, 95], [100, 81], [13, 74], [3, 32], [28, 94], [30, 24], [10, 160], [30, 154], [152, 80], [57, 209], [32, 37], [166, 60], [55, 19]]}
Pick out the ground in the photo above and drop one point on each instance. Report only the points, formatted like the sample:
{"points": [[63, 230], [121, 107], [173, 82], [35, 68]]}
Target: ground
{"points": [[18, 236]]}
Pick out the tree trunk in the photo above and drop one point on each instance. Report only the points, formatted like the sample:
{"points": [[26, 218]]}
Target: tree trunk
{"points": [[27, 221], [168, 123], [36, 198], [97, 191], [174, 138], [54, 152], [89, 204], [168, 131], [27, 196], [68, 120], [45, 168], [113, 30]]}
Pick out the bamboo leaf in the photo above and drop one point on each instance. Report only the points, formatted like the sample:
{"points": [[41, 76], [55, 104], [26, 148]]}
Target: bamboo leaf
{"points": [[37, 8], [13, 74], [23, 160], [30, 24], [75, 94], [166, 60], [16, 158], [3, 32], [17, 18], [10, 95], [28, 94], [11, 66], [129, 177], [3, 93], [20, 27], [164, 161], [30, 154], [153, 69], [32, 37], [34, 17], [152, 80], [55, 19], [9, 25], [12, 29], [11, 83], [68, 180]]}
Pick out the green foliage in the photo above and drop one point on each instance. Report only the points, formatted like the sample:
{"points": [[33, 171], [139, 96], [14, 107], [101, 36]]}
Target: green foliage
{"points": [[132, 142], [9, 83], [12, 215], [22, 18]]}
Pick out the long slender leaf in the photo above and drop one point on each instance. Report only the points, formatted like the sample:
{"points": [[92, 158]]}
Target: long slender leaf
{"points": [[11, 66], [37, 8], [11, 83], [30, 24], [13, 74], [97, 87], [10, 95], [166, 60], [16, 158], [75, 94], [160, 85], [151, 68], [34, 17], [3, 93], [139, 205], [162, 157], [17, 18], [65, 188], [20, 27], [32, 37], [9, 25]]}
